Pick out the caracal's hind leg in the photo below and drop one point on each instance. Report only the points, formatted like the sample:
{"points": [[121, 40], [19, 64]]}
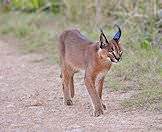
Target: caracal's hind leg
{"points": [[71, 85], [66, 78]]}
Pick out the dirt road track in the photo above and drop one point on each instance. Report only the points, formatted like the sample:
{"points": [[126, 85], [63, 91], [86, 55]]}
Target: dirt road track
{"points": [[31, 100]]}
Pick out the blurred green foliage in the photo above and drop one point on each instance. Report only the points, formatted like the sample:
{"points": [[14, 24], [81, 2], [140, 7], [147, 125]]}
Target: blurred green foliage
{"points": [[145, 44], [32, 5], [27, 4]]}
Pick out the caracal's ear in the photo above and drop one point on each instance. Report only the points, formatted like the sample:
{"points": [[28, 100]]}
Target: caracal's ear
{"points": [[117, 34], [103, 40]]}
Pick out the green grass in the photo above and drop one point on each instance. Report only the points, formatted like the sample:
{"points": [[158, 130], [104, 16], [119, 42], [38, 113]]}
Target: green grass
{"points": [[141, 67], [139, 72]]}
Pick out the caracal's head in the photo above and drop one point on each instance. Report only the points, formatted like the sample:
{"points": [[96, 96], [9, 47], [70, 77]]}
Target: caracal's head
{"points": [[110, 50]]}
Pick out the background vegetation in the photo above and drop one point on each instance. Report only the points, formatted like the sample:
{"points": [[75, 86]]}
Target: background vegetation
{"points": [[36, 24]]}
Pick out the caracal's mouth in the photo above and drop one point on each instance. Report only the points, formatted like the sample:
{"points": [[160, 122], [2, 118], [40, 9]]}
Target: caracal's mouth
{"points": [[114, 60]]}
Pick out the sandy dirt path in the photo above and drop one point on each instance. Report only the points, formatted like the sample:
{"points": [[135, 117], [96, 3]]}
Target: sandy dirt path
{"points": [[31, 100]]}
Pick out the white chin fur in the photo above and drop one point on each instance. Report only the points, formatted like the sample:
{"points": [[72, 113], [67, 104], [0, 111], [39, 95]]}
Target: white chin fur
{"points": [[115, 61]]}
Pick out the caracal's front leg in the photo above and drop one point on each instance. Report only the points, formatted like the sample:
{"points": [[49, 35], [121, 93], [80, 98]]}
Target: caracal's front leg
{"points": [[90, 85], [99, 84]]}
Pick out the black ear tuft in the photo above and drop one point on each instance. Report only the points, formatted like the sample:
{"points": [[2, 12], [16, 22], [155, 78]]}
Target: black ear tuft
{"points": [[118, 34], [103, 40]]}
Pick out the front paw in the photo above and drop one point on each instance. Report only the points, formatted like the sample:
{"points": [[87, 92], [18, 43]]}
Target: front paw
{"points": [[68, 102], [98, 112]]}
